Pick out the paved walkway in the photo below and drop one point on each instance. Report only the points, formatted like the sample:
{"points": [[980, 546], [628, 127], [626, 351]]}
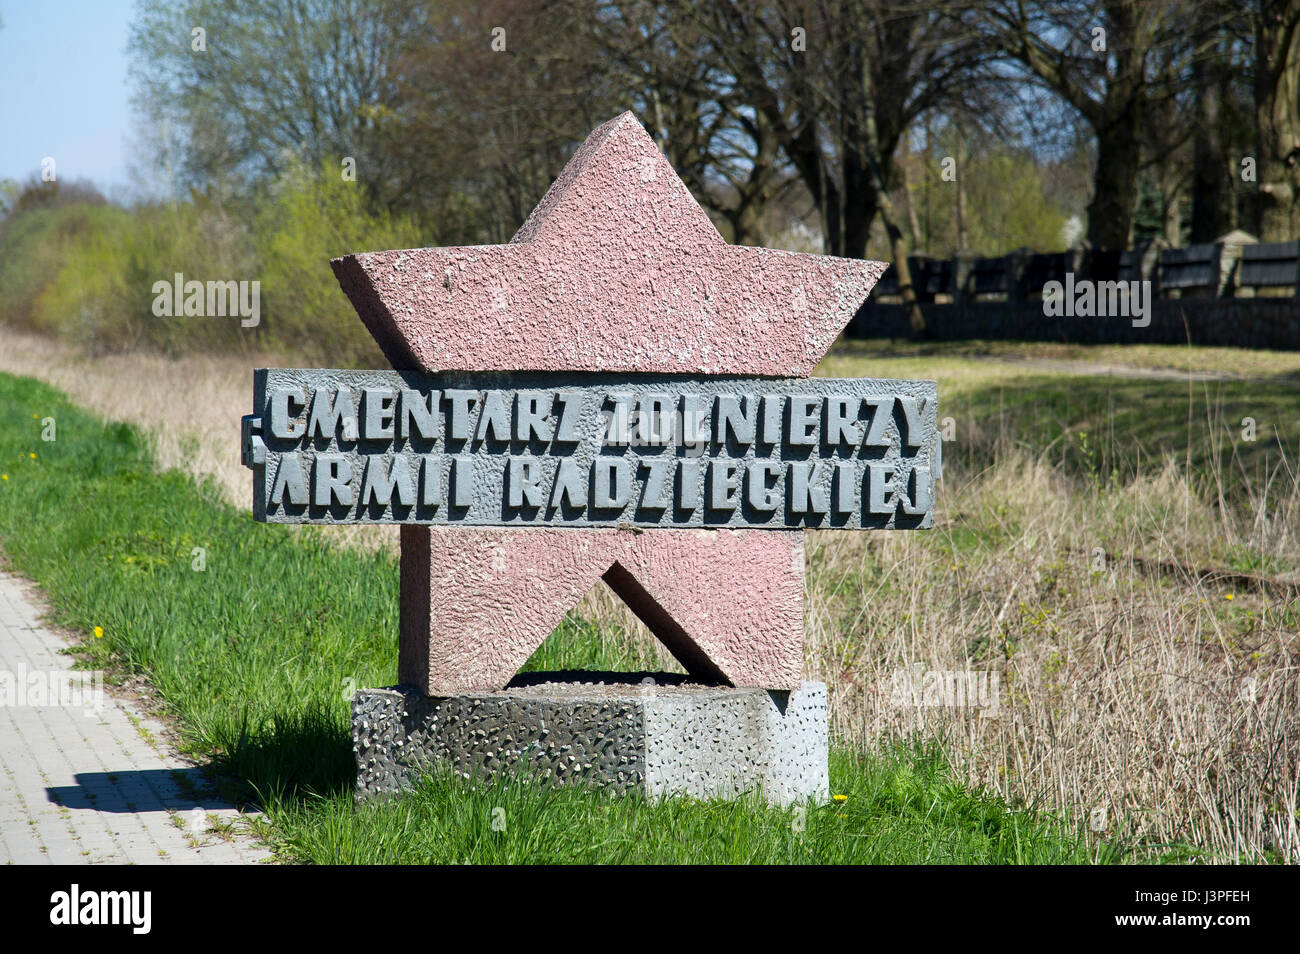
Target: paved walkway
{"points": [[81, 784]]}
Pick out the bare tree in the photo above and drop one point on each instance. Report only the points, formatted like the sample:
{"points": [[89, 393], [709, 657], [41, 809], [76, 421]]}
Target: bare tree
{"points": [[727, 153], [1277, 117], [1094, 54], [247, 89], [838, 83], [490, 109]]}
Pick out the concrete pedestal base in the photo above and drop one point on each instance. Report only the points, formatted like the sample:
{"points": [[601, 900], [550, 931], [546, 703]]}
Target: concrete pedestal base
{"points": [[615, 730]]}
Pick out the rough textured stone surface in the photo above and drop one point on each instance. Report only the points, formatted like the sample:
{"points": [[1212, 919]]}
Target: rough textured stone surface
{"points": [[669, 737], [737, 741], [617, 269], [476, 603]]}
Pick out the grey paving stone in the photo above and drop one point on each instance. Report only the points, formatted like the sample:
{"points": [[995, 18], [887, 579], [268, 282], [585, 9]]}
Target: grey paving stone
{"points": [[54, 759]]}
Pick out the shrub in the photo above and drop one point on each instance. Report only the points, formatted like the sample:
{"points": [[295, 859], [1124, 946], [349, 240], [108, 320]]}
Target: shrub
{"points": [[86, 271]]}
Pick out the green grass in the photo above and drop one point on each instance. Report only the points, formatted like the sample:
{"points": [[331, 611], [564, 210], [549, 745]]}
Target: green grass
{"points": [[1105, 427], [1242, 361], [1111, 428], [256, 656], [901, 806]]}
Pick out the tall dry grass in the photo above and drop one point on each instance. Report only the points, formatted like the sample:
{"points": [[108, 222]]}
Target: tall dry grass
{"points": [[1138, 694], [1141, 691]]}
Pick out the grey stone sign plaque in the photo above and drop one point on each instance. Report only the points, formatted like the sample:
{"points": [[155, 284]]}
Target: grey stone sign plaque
{"points": [[586, 450]]}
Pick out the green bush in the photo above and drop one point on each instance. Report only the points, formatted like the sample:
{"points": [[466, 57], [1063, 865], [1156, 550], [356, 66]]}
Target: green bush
{"points": [[32, 249], [301, 224], [86, 272]]}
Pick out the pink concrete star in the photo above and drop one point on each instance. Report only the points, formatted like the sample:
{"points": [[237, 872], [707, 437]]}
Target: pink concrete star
{"points": [[617, 269]]}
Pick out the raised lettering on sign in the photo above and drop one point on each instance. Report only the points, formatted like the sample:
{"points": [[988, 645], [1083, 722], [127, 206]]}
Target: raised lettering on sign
{"points": [[590, 450]]}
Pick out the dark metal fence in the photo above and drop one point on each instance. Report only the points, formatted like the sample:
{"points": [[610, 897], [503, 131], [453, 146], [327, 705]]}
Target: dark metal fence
{"points": [[1217, 293], [1213, 270]]}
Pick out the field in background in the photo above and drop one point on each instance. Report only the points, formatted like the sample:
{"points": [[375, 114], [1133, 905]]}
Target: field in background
{"points": [[1107, 542]]}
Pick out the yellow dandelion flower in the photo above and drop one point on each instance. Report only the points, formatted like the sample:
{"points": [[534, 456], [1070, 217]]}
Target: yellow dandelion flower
{"points": [[840, 798], [4, 476], [99, 631], [32, 456], [1228, 597]]}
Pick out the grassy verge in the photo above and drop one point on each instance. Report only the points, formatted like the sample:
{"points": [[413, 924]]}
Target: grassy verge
{"points": [[901, 806], [1158, 357], [255, 636]]}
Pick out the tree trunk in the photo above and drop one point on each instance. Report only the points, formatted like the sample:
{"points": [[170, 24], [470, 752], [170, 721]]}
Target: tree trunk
{"points": [[882, 204], [906, 288], [1114, 192], [909, 204], [862, 201], [1277, 121], [875, 153], [747, 222], [962, 239], [1173, 218], [1210, 162]]}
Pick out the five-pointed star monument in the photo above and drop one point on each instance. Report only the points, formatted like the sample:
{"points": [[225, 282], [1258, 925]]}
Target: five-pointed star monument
{"points": [[618, 269]]}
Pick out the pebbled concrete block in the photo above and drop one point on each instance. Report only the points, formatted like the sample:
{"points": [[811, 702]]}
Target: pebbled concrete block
{"points": [[606, 730]]}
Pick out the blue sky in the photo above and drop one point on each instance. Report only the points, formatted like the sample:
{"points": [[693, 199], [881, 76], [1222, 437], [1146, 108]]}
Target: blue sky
{"points": [[63, 89]]}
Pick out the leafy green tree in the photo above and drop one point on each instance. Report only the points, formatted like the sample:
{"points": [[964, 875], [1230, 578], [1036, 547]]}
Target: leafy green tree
{"points": [[9, 190], [1009, 204], [239, 90]]}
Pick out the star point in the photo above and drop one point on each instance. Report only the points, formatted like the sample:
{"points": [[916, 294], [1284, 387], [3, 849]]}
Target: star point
{"points": [[618, 268]]}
